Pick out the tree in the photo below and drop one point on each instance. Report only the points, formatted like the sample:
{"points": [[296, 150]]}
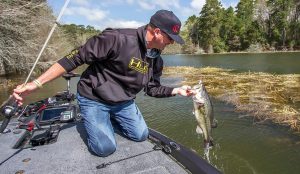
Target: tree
{"points": [[208, 27], [278, 21], [255, 24], [190, 30], [22, 32], [244, 13], [78, 34], [190, 35], [227, 31], [294, 25]]}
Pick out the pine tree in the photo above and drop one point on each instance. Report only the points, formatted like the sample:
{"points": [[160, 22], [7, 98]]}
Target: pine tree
{"points": [[244, 13], [278, 21], [228, 33], [208, 27]]}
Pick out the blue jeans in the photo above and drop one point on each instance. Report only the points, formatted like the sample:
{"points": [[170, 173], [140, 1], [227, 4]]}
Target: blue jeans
{"points": [[97, 119]]}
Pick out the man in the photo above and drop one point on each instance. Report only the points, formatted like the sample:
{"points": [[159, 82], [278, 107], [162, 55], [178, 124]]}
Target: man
{"points": [[121, 63]]}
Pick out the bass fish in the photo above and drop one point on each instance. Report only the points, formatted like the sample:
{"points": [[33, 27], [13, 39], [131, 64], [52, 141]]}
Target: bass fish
{"points": [[203, 111]]}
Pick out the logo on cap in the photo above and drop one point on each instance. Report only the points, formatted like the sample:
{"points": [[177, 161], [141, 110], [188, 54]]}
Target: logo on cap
{"points": [[176, 28]]}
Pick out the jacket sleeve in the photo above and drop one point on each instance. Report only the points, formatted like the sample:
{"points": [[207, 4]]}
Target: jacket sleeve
{"points": [[97, 48], [154, 88]]}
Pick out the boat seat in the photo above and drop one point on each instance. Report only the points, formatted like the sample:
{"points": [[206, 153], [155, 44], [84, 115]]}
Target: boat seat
{"points": [[70, 75]]}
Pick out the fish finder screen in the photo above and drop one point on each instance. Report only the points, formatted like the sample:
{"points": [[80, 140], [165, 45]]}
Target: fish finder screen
{"points": [[52, 113]]}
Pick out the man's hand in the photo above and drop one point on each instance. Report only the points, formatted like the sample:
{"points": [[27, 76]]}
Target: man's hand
{"points": [[183, 91], [56, 70], [24, 90]]}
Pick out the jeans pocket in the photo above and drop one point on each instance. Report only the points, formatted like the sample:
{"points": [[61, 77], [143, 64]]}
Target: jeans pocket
{"points": [[112, 92]]}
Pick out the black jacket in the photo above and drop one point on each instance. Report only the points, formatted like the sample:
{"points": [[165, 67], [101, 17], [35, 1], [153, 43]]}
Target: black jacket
{"points": [[118, 67]]}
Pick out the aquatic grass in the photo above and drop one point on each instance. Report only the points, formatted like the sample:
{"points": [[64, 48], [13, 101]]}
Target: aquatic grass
{"points": [[262, 95]]}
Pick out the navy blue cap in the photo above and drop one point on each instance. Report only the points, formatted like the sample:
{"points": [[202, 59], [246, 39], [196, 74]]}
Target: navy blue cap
{"points": [[168, 23]]}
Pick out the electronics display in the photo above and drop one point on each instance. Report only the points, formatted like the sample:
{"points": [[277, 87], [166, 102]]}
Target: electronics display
{"points": [[52, 113]]}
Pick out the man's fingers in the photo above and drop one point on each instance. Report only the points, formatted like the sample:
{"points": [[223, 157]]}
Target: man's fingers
{"points": [[18, 91], [186, 87], [189, 92], [17, 97], [20, 103]]}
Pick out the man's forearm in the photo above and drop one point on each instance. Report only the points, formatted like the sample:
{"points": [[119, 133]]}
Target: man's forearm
{"points": [[52, 73]]}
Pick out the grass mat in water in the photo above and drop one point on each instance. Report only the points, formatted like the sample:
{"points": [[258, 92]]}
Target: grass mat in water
{"points": [[263, 95]]}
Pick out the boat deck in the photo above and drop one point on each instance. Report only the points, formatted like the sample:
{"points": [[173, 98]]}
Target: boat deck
{"points": [[70, 155]]}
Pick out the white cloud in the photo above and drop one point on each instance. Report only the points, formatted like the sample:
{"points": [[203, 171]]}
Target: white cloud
{"points": [[130, 1], [167, 4], [81, 2], [160, 4], [188, 11], [108, 3], [194, 8], [89, 13], [197, 4], [122, 24], [146, 6]]}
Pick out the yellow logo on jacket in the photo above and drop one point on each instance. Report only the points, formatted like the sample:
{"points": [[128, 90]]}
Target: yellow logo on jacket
{"points": [[138, 65], [72, 53]]}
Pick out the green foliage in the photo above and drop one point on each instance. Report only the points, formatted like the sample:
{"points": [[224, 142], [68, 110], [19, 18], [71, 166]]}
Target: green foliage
{"points": [[227, 31], [208, 26], [279, 13], [268, 24], [78, 34]]}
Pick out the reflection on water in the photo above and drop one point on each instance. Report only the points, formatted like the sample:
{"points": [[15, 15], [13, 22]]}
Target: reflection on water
{"points": [[241, 145]]}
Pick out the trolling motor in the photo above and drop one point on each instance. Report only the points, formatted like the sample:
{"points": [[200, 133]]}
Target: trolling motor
{"points": [[67, 95]]}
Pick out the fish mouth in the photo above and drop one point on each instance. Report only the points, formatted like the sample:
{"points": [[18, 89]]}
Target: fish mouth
{"points": [[198, 101], [200, 104]]}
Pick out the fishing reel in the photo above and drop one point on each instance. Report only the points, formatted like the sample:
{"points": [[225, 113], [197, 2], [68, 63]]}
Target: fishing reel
{"points": [[8, 109]]}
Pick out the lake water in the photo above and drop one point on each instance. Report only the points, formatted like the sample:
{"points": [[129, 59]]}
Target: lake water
{"points": [[280, 63], [242, 145]]}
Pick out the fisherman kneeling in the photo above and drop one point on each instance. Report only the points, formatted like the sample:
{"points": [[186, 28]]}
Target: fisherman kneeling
{"points": [[121, 62]]}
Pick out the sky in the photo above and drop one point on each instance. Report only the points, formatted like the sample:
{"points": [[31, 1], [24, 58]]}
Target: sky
{"points": [[125, 13]]}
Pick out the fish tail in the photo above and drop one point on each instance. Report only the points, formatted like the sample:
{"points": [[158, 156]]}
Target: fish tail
{"points": [[208, 144], [211, 143]]}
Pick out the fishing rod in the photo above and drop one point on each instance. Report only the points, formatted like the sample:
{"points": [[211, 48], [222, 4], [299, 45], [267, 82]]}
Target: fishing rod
{"points": [[10, 106]]}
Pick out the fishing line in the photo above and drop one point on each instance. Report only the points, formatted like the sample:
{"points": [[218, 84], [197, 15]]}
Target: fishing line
{"points": [[47, 40], [9, 107]]}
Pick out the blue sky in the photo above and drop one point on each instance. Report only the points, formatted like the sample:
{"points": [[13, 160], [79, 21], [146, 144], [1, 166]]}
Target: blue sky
{"points": [[125, 13]]}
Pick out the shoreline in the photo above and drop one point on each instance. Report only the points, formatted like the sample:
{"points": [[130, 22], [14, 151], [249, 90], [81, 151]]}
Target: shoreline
{"points": [[240, 52], [245, 52]]}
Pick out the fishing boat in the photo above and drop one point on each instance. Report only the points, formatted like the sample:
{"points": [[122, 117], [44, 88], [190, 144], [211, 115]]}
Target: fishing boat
{"points": [[48, 137]]}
